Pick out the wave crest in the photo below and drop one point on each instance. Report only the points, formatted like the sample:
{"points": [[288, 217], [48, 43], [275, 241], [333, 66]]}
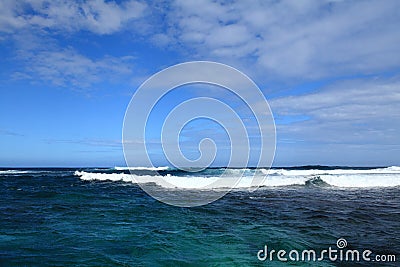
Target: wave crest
{"points": [[384, 177]]}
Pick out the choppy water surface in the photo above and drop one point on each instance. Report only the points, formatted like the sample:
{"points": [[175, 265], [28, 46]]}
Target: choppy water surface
{"points": [[101, 217]]}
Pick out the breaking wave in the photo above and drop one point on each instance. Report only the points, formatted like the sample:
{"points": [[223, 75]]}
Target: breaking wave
{"points": [[341, 178]]}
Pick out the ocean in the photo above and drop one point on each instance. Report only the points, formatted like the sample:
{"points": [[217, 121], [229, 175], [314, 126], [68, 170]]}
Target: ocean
{"points": [[102, 217]]}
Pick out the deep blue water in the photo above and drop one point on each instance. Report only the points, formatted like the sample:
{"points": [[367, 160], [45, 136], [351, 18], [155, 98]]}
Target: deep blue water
{"points": [[52, 217]]}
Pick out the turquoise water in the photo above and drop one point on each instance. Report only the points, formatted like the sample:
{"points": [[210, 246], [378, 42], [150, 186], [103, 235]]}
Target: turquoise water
{"points": [[54, 218]]}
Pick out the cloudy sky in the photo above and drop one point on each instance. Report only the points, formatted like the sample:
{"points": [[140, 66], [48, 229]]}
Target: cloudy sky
{"points": [[330, 71]]}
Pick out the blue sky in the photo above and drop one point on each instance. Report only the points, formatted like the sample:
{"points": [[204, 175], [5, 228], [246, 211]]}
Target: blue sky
{"points": [[330, 71]]}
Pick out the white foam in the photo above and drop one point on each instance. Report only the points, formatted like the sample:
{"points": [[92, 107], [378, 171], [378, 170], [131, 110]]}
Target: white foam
{"points": [[362, 181], [13, 172], [345, 179], [285, 172], [191, 182], [163, 168], [168, 181]]}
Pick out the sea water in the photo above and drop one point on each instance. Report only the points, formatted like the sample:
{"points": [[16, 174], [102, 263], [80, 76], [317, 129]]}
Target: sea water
{"points": [[101, 217]]}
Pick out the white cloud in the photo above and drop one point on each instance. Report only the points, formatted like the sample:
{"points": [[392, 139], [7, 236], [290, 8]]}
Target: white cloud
{"points": [[352, 112], [272, 39], [97, 16], [68, 68], [8, 19], [301, 39], [354, 122], [36, 29], [371, 98]]}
